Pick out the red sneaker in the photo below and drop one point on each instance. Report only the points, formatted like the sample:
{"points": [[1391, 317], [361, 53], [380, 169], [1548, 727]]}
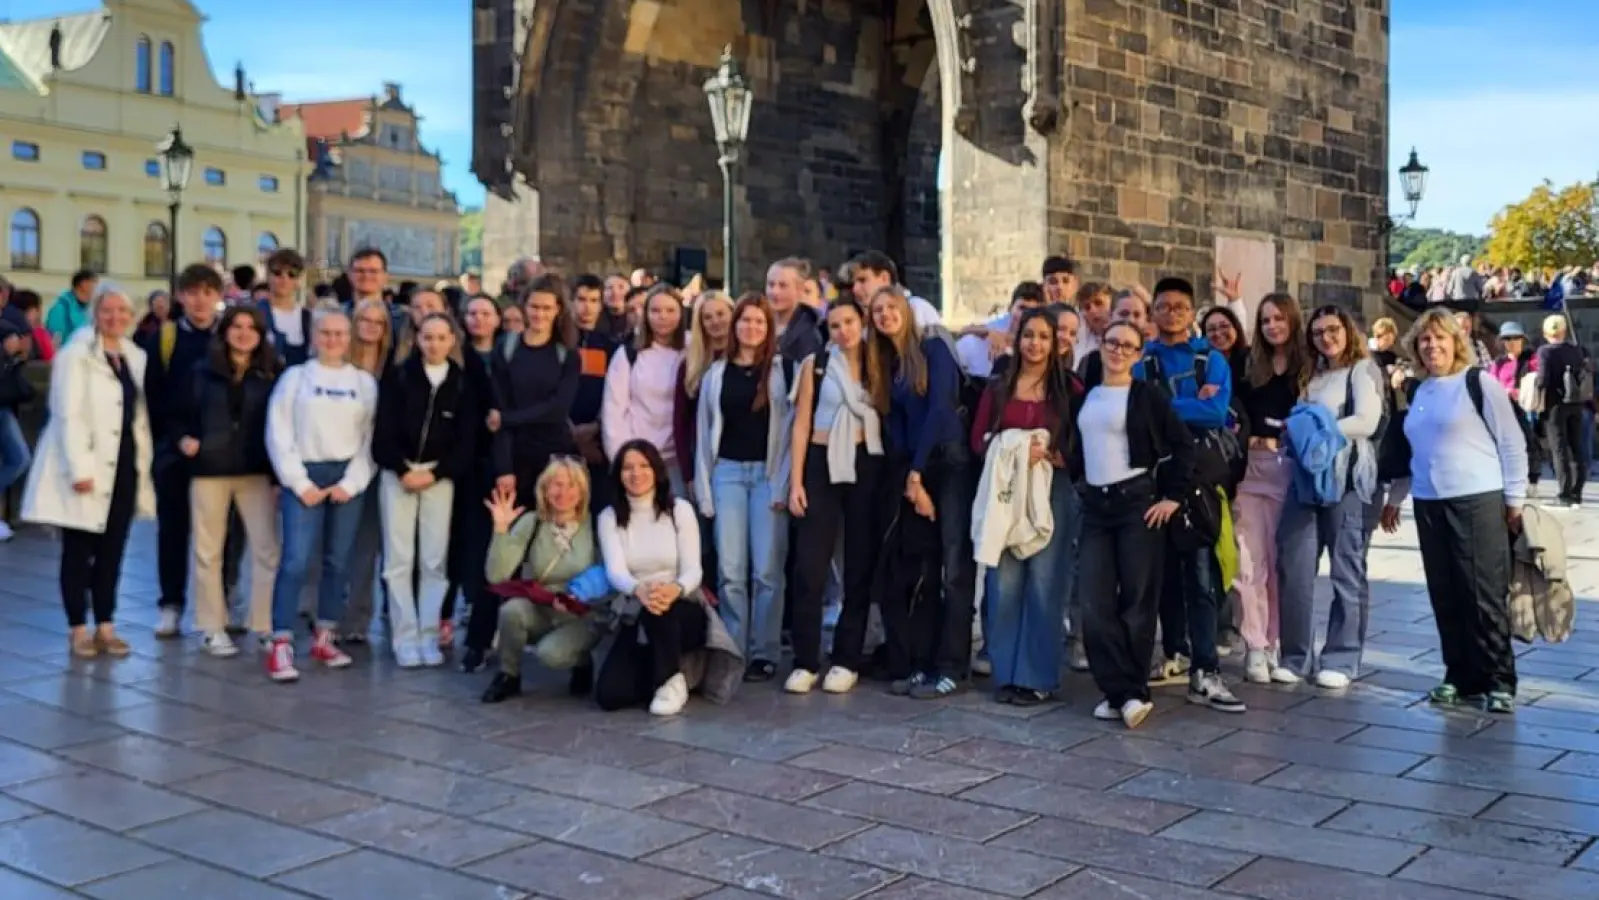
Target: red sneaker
{"points": [[280, 660], [324, 651]]}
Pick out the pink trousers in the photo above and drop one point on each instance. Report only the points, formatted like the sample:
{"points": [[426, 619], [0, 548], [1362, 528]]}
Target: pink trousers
{"points": [[1258, 507]]}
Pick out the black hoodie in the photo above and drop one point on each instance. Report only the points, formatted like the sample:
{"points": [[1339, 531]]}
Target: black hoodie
{"points": [[418, 423]]}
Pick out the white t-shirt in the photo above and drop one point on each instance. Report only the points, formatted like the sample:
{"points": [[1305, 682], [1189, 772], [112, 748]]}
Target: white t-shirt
{"points": [[289, 323], [436, 373], [1102, 423]]}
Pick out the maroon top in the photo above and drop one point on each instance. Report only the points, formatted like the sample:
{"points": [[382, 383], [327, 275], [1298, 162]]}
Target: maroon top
{"points": [[1026, 414]]}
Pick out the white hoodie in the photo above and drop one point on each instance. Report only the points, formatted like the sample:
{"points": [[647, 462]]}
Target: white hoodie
{"points": [[320, 414], [1012, 510]]}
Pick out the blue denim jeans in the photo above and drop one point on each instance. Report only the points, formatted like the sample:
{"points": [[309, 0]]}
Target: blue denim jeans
{"points": [[1025, 601], [326, 530], [14, 455], [1302, 534], [751, 545]]}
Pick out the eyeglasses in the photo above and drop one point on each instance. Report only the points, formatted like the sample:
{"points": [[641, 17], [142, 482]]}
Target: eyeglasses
{"points": [[285, 273], [1120, 346], [1317, 334]]}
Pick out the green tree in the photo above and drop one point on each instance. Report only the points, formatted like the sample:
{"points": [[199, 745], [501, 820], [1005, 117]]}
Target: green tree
{"points": [[470, 236], [1551, 228], [1426, 248]]}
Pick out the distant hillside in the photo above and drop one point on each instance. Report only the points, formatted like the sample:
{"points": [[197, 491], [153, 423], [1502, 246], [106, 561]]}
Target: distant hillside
{"points": [[1429, 247]]}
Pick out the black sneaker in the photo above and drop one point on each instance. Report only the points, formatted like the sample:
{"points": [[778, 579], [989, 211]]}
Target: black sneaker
{"points": [[1021, 696], [471, 660], [1207, 689], [503, 688], [906, 687], [760, 670], [935, 688]]}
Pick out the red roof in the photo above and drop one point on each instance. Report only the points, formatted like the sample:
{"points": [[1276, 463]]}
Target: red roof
{"points": [[329, 118]]}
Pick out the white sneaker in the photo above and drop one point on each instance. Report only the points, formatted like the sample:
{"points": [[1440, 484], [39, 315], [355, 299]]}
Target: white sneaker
{"points": [[1106, 713], [671, 697], [1257, 668], [1078, 656], [800, 681], [432, 656], [6, 533], [1331, 680], [168, 626], [218, 644], [982, 666], [839, 680], [1280, 675], [407, 655], [1134, 712]]}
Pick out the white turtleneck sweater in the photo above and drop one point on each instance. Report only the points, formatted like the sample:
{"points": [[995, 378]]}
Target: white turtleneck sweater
{"points": [[652, 549]]}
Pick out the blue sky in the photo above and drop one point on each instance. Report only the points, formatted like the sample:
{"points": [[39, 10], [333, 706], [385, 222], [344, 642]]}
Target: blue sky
{"points": [[1479, 86]]}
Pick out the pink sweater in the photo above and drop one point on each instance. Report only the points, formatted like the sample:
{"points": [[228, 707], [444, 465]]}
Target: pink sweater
{"points": [[638, 400]]}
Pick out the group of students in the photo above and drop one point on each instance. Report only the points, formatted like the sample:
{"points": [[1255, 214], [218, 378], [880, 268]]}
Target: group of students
{"points": [[682, 482]]}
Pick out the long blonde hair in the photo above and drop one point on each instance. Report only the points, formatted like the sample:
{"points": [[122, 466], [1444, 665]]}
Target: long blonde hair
{"points": [[700, 354], [379, 352], [885, 352]]}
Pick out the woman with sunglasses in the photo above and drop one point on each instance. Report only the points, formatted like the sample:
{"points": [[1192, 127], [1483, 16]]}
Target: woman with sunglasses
{"points": [[1348, 384], [1137, 460]]}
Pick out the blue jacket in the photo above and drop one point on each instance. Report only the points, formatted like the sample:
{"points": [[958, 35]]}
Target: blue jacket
{"points": [[66, 315], [917, 424], [1175, 363], [1314, 442]]}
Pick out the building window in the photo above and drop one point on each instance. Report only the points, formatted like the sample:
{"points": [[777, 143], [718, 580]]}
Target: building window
{"points": [[25, 240], [216, 246], [92, 245], [167, 64], [216, 177], [141, 65], [269, 183], [152, 168], [157, 251], [94, 160], [24, 151], [265, 246]]}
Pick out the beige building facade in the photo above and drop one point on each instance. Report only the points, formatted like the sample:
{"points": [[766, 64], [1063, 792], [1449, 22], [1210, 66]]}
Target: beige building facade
{"points": [[84, 99], [374, 184]]}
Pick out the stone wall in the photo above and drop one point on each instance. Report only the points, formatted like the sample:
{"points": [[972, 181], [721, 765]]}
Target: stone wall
{"points": [[1190, 119]]}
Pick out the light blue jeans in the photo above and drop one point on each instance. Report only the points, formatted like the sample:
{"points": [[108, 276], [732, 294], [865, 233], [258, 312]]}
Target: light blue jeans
{"points": [[1303, 533], [326, 530], [14, 455], [751, 545], [1025, 601]]}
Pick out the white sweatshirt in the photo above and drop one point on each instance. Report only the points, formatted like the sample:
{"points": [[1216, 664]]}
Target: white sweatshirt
{"points": [[318, 414], [1012, 510]]}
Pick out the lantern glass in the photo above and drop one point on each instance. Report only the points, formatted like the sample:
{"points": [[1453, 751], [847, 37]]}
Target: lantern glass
{"points": [[730, 99], [177, 161], [1413, 179]]}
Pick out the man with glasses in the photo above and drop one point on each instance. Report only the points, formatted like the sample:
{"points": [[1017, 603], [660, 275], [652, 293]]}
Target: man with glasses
{"points": [[369, 280], [287, 318], [1199, 381]]}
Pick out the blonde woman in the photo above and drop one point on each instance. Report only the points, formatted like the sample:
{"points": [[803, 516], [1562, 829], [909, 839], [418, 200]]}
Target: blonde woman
{"points": [[708, 341], [1468, 465], [91, 476], [371, 349]]}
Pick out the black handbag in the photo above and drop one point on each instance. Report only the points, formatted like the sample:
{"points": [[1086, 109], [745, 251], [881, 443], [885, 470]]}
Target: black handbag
{"points": [[1197, 523]]}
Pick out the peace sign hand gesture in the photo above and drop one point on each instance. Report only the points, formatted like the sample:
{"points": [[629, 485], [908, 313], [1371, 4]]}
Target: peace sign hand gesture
{"points": [[502, 507]]}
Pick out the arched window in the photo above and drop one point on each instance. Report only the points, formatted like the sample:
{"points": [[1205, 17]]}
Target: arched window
{"points": [[157, 251], [167, 65], [25, 240], [141, 65], [92, 245], [265, 246], [216, 246]]}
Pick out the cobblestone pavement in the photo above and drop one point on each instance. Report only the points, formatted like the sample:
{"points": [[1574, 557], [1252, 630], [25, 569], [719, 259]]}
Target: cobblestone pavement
{"points": [[170, 774]]}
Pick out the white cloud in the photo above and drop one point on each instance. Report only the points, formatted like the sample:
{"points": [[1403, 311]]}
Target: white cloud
{"points": [[1490, 148]]}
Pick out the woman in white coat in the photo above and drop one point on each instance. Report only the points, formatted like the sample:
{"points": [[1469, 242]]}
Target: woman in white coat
{"points": [[91, 476]]}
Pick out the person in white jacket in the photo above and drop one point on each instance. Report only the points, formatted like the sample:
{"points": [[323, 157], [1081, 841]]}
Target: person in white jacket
{"points": [[741, 471], [1024, 602], [91, 476], [319, 436]]}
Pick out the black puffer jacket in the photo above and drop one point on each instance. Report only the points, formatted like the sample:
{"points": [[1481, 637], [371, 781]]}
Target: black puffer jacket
{"points": [[228, 419], [417, 423]]}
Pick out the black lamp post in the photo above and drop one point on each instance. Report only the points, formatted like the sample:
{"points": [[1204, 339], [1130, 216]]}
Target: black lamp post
{"points": [[730, 97], [1413, 182], [177, 161]]}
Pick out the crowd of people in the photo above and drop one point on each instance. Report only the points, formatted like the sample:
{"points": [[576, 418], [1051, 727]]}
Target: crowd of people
{"points": [[660, 491], [1470, 280]]}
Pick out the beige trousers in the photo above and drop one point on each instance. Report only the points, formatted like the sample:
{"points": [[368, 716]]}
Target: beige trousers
{"points": [[210, 499]]}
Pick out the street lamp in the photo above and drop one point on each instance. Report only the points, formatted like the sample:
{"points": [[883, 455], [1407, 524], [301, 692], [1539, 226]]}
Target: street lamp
{"points": [[1413, 180], [730, 97], [177, 160]]}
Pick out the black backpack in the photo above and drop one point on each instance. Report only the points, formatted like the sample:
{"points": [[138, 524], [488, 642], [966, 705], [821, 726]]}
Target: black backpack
{"points": [[1394, 451], [1219, 457]]}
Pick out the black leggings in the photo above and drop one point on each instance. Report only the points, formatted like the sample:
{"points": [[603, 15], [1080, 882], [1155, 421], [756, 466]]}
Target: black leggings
{"points": [[632, 671], [855, 509], [91, 562]]}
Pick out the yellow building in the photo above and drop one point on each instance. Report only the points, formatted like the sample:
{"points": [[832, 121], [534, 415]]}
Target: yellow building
{"points": [[373, 184], [83, 101]]}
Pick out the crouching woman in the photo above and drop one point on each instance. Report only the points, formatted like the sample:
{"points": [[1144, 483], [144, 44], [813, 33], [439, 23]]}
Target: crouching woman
{"points": [[553, 556], [669, 640]]}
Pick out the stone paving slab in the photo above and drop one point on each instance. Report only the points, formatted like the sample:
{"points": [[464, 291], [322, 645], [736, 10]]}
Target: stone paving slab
{"points": [[171, 774]]}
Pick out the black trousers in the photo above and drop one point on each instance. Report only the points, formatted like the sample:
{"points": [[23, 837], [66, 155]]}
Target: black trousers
{"points": [[471, 530], [1465, 552], [830, 508], [928, 623], [172, 531], [633, 671], [1119, 589], [1563, 427], [91, 562]]}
